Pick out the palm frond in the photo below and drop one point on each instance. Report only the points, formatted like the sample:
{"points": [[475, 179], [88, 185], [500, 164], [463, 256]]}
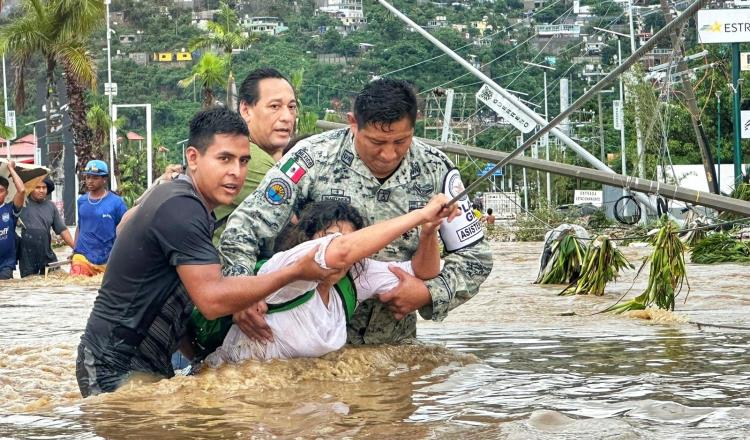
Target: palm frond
{"points": [[78, 63]]}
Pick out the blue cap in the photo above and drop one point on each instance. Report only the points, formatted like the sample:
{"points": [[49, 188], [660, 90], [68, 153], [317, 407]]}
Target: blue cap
{"points": [[96, 168]]}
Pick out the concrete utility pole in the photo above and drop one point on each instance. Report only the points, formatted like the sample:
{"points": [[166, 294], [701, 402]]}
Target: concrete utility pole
{"points": [[691, 104], [447, 115]]}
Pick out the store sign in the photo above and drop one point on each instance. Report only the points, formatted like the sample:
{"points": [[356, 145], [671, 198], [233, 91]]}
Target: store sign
{"points": [[723, 25], [588, 196], [505, 109]]}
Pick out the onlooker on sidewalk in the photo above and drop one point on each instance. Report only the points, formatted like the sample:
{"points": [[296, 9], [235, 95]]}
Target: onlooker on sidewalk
{"points": [[38, 216], [99, 212], [9, 213]]}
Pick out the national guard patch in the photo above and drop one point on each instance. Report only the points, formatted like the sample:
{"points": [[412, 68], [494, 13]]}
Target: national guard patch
{"points": [[278, 191], [336, 195], [305, 157], [347, 157], [384, 195]]}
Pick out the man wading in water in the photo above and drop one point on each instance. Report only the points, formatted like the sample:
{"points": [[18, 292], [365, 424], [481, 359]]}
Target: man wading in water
{"points": [[163, 262]]}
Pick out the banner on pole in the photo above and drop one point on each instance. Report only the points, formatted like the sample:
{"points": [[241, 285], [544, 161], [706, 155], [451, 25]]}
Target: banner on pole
{"points": [[505, 109], [617, 116]]}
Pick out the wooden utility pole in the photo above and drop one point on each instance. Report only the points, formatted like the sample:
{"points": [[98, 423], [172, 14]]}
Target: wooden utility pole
{"points": [[690, 102]]}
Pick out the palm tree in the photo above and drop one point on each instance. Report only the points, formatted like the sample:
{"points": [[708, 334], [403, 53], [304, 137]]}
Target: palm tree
{"points": [[57, 30], [210, 72], [5, 131], [225, 34]]}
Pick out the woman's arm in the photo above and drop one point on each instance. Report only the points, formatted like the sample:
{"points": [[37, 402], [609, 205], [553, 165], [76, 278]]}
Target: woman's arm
{"points": [[350, 248], [426, 260], [18, 183]]}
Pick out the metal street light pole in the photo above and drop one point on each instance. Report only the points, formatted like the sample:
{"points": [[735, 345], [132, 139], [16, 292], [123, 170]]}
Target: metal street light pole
{"points": [[546, 115], [112, 132], [638, 136], [5, 104], [718, 140]]}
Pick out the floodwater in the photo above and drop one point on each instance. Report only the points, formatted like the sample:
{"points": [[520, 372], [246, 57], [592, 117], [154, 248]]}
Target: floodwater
{"points": [[515, 362]]}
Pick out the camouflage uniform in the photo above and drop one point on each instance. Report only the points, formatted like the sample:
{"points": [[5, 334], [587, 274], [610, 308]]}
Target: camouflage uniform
{"points": [[326, 167]]}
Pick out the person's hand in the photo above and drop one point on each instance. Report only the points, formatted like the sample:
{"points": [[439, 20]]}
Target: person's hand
{"points": [[437, 209], [428, 229], [409, 295], [252, 322], [307, 269], [12, 165]]}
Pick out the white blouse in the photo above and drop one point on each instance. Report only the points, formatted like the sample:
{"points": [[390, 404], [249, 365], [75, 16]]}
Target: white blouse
{"points": [[311, 329]]}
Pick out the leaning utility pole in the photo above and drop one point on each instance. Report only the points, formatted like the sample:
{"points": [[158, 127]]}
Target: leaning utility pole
{"points": [[691, 104]]}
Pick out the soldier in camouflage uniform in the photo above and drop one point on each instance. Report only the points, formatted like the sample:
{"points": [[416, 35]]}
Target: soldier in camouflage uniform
{"points": [[379, 168]]}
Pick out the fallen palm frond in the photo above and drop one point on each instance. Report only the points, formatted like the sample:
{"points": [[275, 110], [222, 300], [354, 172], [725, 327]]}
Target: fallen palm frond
{"points": [[667, 271], [720, 248], [562, 258], [601, 264]]}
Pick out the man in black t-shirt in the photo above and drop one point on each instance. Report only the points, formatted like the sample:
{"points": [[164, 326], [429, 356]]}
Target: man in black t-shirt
{"points": [[163, 262]]}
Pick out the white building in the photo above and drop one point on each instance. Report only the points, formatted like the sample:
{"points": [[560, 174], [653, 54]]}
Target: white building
{"points": [[349, 12], [263, 25]]}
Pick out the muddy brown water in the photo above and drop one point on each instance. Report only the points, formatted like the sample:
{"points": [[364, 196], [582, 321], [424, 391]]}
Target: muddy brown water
{"points": [[511, 363]]}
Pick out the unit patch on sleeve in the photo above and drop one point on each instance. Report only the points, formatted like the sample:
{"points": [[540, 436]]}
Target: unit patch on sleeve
{"points": [[278, 191], [293, 170], [305, 157]]}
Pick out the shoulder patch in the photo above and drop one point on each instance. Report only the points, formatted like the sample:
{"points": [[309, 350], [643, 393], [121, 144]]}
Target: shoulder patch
{"points": [[347, 157], [278, 191], [415, 170], [305, 157]]}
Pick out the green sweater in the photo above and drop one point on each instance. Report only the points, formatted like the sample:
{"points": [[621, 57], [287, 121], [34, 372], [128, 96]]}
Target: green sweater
{"points": [[260, 163]]}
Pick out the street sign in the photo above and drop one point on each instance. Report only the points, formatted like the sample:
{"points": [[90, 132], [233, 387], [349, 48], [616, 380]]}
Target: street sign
{"points": [[110, 88], [617, 116], [723, 25], [505, 109], [10, 121], [745, 124], [487, 168], [587, 196]]}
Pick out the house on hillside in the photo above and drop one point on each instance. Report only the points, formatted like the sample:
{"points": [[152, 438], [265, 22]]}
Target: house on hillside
{"points": [[263, 25], [437, 22], [201, 18], [349, 12]]}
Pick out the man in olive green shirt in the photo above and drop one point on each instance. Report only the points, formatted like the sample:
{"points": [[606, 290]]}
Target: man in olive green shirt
{"points": [[269, 106]]}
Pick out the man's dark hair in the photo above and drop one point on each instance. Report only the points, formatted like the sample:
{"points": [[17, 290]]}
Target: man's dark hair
{"points": [[4, 182], [216, 120], [489, 211], [249, 88], [385, 101]]}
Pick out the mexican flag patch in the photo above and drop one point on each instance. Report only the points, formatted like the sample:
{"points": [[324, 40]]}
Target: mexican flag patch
{"points": [[293, 170]]}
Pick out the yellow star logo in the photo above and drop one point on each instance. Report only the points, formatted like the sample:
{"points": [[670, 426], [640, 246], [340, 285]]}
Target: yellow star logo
{"points": [[715, 27]]}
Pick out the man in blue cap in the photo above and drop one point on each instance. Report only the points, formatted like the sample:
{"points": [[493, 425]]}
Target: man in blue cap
{"points": [[99, 213]]}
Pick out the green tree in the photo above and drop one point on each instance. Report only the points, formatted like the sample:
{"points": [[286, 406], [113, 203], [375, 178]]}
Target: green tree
{"points": [[210, 72], [58, 31], [225, 33]]}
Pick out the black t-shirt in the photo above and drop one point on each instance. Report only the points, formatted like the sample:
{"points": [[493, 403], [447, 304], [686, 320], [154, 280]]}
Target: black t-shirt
{"points": [[171, 227]]}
